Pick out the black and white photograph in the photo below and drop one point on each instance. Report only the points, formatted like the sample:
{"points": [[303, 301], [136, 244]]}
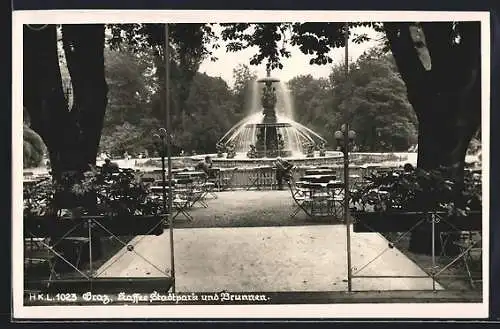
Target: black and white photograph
{"points": [[250, 164]]}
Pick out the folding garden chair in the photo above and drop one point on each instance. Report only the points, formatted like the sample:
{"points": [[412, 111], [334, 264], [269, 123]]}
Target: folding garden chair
{"points": [[319, 199], [50, 253], [181, 206], [196, 194], [180, 202], [226, 179], [302, 198], [336, 199], [470, 248], [211, 184], [37, 256]]}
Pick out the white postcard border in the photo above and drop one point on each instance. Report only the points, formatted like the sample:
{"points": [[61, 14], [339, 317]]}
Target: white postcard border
{"points": [[410, 310]]}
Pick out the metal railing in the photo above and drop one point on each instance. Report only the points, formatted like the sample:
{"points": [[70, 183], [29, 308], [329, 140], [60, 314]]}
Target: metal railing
{"points": [[46, 234], [439, 226], [263, 177]]}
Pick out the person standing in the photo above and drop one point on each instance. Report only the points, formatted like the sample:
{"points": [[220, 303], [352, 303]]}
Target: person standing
{"points": [[205, 165], [109, 167], [283, 171]]}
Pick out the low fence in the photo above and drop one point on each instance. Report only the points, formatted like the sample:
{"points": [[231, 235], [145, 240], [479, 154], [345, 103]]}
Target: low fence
{"points": [[450, 255], [331, 159], [252, 163], [264, 177]]}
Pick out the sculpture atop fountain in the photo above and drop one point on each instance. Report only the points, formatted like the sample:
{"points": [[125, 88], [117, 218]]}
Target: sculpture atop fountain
{"points": [[268, 142], [269, 98], [266, 133]]}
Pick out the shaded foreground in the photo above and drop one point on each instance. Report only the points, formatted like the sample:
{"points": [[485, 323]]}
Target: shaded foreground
{"points": [[245, 241], [299, 258]]}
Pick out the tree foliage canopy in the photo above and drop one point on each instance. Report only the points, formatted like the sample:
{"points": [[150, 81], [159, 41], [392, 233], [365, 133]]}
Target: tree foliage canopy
{"points": [[135, 106], [374, 94], [273, 40], [33, 148], [421, 52]]}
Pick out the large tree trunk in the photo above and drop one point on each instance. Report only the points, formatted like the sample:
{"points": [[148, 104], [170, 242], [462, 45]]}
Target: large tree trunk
{"points": [[72, 136], [43, 94], [84, 50], [443, 82]]}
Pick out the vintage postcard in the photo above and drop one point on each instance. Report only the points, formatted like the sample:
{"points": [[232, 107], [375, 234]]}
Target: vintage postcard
{"points": [[250, 164]]}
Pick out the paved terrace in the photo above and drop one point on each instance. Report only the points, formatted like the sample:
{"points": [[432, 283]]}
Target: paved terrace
{"points": [[246, 241]]}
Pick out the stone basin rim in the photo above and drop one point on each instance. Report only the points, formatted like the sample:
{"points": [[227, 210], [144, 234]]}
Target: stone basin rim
{"points": [[268, 79]]}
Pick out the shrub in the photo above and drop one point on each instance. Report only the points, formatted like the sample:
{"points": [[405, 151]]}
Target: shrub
{"points": [[419, 190], [120, 193], [33, 148]]}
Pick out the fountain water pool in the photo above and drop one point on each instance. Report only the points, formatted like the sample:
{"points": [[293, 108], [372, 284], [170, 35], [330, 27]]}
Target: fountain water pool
{"points": [[290, 133], [270, 131]]}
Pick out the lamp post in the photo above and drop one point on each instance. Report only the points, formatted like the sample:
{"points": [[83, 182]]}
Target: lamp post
{"points": [[341, 137], [345, 132], [169, 155], [161, 137], [168, 138]]}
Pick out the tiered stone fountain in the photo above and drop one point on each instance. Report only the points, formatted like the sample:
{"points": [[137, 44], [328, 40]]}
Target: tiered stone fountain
{"points": [[267, 133], [270, 142]]}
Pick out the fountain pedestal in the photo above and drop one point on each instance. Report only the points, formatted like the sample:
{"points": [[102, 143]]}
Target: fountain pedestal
{"points": [[269, 141]]}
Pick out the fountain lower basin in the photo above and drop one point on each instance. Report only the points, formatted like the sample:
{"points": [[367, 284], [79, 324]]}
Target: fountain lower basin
{"points": [[332, 159]]}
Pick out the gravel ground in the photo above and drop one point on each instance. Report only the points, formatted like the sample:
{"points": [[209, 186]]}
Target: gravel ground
{"points": [[248, 209]]}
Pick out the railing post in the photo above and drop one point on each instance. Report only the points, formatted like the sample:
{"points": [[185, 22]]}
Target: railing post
{"points": [[346, 168], [169, 155], [433, 251], [91, 270]]}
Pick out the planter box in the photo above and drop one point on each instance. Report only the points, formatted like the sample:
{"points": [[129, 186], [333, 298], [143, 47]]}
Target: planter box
{"points": [[404, 221], [56, 227]]}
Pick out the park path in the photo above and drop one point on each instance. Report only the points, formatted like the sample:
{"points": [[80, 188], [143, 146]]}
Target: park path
{"points": [[245, 241]]}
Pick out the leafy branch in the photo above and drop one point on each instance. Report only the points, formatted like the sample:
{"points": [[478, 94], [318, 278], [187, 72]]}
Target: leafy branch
{"points": [[419, 190], [120, 193]]}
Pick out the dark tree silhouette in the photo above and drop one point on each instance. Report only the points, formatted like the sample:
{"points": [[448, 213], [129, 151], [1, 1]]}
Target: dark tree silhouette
{"points": [[71, 135], [445, 94]]}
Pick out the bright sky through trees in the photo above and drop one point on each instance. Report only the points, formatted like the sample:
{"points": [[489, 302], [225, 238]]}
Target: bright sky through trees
{"points": [[296, 64]]}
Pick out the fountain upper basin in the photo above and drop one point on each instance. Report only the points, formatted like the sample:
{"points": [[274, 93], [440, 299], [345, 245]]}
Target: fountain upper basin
{"points": [[265, 125], [268, 79]]}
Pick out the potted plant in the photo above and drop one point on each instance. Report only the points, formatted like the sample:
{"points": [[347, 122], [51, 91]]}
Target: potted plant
{"points": [[397, 200], [119, 200]]}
